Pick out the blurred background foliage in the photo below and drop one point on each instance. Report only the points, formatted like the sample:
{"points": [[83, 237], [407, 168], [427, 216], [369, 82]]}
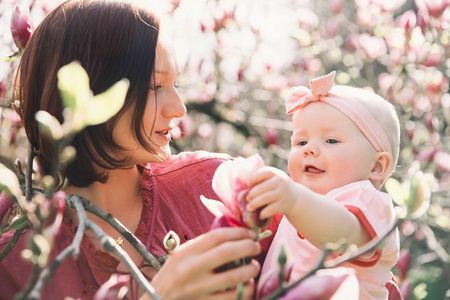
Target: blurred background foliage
{"points": [[239, 58]]}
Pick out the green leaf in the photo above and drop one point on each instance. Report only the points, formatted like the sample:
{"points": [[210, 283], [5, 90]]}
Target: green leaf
{"points": [[394, 189], [9, 182], [19, 223], [73, 84], [107, 104]]}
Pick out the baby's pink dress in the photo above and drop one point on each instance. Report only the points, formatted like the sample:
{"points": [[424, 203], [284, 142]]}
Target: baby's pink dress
{"points": [[375, 211]]}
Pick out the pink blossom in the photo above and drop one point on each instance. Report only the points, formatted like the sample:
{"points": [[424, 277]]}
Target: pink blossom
{"points": [[270, 282], [435, 8], [54, 209], [404, 263], [21, 27], [393, 290], [442, 161], [205, 130], [407, 21], [115, 288], [422, 20], [326, 284], [336, 6], [2, 90], [373, 46], [433, 56], [405, 288], [388, 6], [230, 182], [436, 82], [6, 207], [271, 136], [185, 127], [352, 42]]}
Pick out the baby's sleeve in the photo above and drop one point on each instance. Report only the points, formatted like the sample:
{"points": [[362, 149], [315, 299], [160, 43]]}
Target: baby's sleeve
{"points": [[375, 212]]}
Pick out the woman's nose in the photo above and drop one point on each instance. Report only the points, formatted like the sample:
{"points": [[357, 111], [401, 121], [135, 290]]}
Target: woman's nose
{"points": [[310, 150], [174, 106]]}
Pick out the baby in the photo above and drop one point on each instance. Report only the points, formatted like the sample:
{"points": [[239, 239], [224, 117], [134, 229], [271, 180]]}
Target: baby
{"points": [[345, 144]]}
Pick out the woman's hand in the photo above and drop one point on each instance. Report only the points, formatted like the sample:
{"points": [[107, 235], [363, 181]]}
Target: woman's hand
{"points": [[189, 272]]}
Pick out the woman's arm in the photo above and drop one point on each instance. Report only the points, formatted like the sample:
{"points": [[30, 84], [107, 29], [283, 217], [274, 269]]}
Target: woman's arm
{"points": [[189, 272]]}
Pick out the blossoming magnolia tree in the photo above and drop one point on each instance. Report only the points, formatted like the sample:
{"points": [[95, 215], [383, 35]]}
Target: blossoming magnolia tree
{"points": [[239, 59]]}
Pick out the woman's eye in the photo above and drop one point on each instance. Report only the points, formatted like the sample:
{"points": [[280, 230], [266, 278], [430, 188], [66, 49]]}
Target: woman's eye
{"points": [[332, 141], [156, 87]]}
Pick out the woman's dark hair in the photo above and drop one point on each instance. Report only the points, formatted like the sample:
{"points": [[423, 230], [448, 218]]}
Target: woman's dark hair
{"points": [[112, 40]]}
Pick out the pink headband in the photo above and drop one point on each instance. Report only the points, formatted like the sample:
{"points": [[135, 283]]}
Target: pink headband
{"points": [[301, 96]]}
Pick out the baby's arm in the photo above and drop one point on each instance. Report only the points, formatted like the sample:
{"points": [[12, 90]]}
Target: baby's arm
{"points": [[318, 218]]}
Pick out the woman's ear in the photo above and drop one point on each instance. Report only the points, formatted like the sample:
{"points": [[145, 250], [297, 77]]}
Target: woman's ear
{"points": [[382, 168]]}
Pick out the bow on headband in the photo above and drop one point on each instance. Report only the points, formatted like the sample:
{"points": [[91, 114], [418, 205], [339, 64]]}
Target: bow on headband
{"points": [[301, 96]]}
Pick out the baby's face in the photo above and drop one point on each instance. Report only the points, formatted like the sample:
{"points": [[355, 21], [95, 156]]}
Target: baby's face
{"points": [[328, 150]]}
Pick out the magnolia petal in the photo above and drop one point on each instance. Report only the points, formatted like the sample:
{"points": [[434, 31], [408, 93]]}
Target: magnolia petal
{"points": [[73, 84], [339, 283], [215, 207], [105, 105]]}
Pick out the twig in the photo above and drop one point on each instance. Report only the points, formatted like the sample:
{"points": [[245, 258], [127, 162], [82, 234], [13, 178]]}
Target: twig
{"points": [[337, 261], [110, 245], [371, 245], [11, 243], [128, 235], [72, 250], [283, 289], [28, 180]]}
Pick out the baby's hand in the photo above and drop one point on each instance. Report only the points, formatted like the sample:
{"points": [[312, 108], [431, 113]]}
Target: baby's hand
{"points": [[271, 189]]}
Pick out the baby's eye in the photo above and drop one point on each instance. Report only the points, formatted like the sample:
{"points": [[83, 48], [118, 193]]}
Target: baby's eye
{"points": [[332, 141], [302, 143]]}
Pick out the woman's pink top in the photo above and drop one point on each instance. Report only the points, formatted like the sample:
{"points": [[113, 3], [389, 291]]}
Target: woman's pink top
{"points": [[171, 193], [375, 211]]}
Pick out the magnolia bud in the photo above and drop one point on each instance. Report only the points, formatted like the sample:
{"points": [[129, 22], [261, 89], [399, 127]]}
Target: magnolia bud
{"points": [[404, 263], [21, 28], [6, 206], [171, 241]]}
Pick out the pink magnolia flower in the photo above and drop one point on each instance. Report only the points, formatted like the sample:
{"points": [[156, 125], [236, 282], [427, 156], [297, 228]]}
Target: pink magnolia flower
{"points": [[404, 263], [388, 6], [2, 90], [21, 27], [115, 288], [54, 209], [405, 288], [435, 8], [373, 46], [338, 283], [230, 182], [6, 207], [407, 21]]}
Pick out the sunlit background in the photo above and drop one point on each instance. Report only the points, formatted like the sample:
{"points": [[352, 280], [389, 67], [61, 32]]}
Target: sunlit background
{"points": [[239, 58]]}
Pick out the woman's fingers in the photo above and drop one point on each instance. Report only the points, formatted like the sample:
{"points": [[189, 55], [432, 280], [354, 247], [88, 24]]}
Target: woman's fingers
{"points": [[225, 282], [223, 253], [215, 238], [248, 291]]}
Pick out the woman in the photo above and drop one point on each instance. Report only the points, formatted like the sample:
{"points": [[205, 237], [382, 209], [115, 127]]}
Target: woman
{"points": [[114, 40]]}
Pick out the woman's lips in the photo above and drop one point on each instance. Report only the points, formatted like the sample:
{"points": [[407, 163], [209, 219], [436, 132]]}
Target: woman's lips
{"points": [[164, 134]]}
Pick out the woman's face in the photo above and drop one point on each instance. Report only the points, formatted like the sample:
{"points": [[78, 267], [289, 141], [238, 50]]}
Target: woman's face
{"points": [[164, 104]]}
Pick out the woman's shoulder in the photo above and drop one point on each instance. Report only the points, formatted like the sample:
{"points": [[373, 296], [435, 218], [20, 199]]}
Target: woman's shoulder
{"points": [[190, 162]]}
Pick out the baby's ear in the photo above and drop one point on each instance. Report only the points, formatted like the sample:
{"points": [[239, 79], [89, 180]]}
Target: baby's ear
{"points": [[382, 168]]}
